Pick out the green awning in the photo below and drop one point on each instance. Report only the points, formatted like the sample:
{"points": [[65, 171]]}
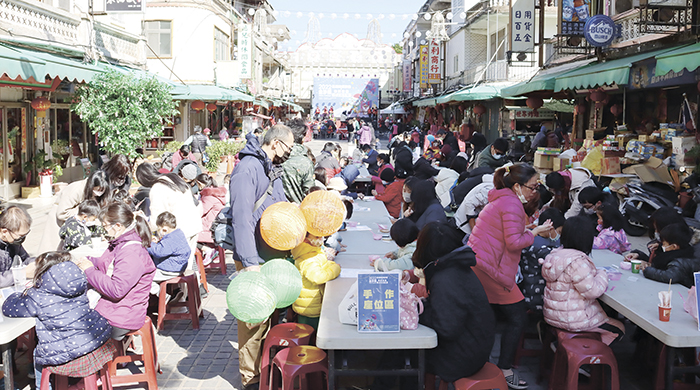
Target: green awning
{"points": [[558, 105], [431, 101], [687, 57], [295, 106], [209, 93], [25, 63], [544, 80], [602, 73], [262, 102], [478, 92]]}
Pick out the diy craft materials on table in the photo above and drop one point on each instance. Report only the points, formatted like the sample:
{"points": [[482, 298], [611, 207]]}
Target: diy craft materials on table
{"points": [[636, 298], [336, 337]]}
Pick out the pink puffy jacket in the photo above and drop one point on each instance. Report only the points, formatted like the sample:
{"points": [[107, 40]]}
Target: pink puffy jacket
{"points": [[499, 235], [573, 284]]}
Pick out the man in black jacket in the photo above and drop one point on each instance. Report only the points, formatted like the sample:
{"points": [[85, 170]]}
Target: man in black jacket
{"points": [[448, 138]]}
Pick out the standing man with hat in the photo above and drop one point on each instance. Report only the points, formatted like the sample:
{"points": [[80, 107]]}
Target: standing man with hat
{"points": [[199, 143]]}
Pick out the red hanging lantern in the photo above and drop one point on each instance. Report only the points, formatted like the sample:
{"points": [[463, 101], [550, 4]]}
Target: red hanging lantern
{"points": [[211, 107], [197, 105], [616, 109], [598, 96], [580, 109], [534, 102], [41, 104], [479, 109], [238, 105]]}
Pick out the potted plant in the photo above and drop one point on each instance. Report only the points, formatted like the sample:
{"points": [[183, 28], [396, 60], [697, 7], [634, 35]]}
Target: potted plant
{"points": [[47, 170]]}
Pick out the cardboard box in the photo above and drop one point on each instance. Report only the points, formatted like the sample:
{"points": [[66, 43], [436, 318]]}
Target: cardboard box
{"points": [[543, 161], [31, 192], [653, 170], [560, 164], [682, 145], [590, 134], [549, 151], [610, 166]]}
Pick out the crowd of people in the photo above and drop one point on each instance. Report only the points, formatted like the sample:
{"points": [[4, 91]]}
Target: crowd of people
{"points": [[514, 242]]}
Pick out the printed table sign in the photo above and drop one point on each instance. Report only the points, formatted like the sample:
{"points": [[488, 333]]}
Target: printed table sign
{"points": [[378, 302]]}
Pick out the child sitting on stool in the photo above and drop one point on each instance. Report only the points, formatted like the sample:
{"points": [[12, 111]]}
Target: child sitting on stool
{"points": [[169, 253], [78, 230]]}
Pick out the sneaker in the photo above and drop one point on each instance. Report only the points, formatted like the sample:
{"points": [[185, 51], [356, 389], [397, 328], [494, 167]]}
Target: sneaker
{"points": [[210, 257]]}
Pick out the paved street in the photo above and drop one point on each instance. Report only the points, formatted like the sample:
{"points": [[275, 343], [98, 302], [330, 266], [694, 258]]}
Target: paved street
{"points": [[208, 358]]}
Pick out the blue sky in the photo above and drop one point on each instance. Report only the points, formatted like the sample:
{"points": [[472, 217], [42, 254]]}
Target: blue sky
{"points": [[330, 26]]}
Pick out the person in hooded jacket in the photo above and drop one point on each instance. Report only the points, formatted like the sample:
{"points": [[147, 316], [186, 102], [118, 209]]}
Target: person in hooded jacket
{"points": [[457, 307], [328, 160], [403, 159], [498, 237], [566, 185], [257, 175], [72, 336], [425, 206], [574, 284], [423, 170], [124, 273]]}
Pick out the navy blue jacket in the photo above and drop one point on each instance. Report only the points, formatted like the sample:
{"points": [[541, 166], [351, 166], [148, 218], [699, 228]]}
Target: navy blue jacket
{"points": [[249, 181], [171, 252], [66, 326], [434, 213], [371, 160]]}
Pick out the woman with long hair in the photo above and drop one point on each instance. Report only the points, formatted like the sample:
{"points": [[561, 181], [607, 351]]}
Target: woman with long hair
{"points": [[118, 171], [425, 206], [125, 291], [498, 237], [95, 187], [146, 175]]}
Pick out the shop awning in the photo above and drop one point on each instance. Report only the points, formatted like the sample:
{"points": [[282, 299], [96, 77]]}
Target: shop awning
{"points": [[687, 57], [262, 103], [26, 64], [544, 80], [602, 73], [431, 101], [477, 92], [209, 93], [295, 106]]}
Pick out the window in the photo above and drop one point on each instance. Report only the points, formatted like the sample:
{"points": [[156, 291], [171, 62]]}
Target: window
{"points": [[158, 37], [221, 45], [498, 46], [455, 65]]}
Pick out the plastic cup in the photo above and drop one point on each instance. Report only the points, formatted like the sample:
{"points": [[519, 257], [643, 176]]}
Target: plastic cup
{"points": [[353, 224], [636, 266], [664, 313], [19, 275]]}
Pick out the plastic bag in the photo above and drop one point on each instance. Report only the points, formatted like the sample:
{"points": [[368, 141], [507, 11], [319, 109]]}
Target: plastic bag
{"points": [[594, 160], [690, 304]]}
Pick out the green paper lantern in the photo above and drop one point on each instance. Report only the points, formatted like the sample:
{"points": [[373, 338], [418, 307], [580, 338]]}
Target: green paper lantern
{"points": [[286, 280], [251, 297]]}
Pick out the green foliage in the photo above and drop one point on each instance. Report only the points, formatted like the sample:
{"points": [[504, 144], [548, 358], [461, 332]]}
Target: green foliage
{"points": [[172, 147], [124, 111], [40, 164], [220, 149], [695, 153], [61, 146], [397, 48]]}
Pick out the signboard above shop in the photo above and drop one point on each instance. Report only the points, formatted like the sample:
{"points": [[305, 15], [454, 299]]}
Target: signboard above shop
{"points": [[522, 26], [643, 75], [124, 5], [524, 113]]}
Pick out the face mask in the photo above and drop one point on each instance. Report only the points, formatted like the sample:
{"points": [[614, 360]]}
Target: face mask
{"points": [[522, 198], [497, 156], [590, 211], [19, 241], [663, 248], [97, 193], [555, 237], [407, 197], [384, 182], [92, 223], [657, 236], [279, 160]]}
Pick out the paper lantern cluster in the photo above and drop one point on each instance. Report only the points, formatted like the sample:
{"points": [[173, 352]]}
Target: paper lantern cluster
{"points": [[283, 226], [253, 296], [324, 212]]}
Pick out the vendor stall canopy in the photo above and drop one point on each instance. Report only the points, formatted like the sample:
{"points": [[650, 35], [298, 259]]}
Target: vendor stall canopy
{"points": [[613, 72], [687, 57]]}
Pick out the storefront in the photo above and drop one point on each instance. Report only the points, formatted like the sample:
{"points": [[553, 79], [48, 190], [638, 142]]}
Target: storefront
{"points": [[13, 153]]}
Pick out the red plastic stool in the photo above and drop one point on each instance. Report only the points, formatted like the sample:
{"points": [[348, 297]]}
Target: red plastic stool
{"points": [[581, 351], [149, 357], [220, 261], [298, 361], [193, 302], [559, 360], [280, 337], [489, 377], [200, 266], [88, 383]]}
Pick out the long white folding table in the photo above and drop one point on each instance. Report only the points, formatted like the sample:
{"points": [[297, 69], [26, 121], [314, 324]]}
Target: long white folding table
{"points": [[11, 329], [336, 337], [636, 298]]}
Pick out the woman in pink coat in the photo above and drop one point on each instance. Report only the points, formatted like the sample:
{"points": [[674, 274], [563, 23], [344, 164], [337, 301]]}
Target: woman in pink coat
{"points": [[213, 199], [574, 284], [498, 237], [365, 134]]}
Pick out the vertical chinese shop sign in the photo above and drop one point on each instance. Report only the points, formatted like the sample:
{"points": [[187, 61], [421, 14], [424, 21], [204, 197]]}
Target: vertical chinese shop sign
{"points": [[435, 57], [522, 26]]}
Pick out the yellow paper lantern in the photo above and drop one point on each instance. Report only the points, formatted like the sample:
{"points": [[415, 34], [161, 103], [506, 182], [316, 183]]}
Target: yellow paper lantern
{"points": [[324, 212], [283, 226]]}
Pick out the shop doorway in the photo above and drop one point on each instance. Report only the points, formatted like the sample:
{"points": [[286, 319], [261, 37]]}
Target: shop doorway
{"points": [[13, 151]]}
